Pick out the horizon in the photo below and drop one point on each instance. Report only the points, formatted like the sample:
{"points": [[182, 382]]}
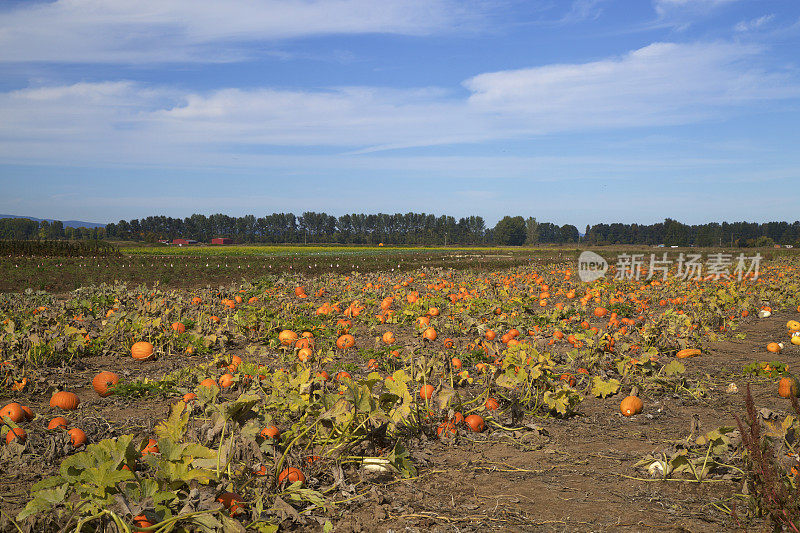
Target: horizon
{"points": [[580, 112]]}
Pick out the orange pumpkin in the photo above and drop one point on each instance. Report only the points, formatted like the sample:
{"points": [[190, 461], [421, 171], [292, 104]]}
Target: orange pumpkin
{"points": [[346, 341], [58, 422], [17, 434], [13, 411], [426, 392], [65, 400], [688, 352], [270, 432], [78, 437], [631, 405], [292, 475], [231, 501], [475, 423], [142, 351], [103, 381], [287, 337]]}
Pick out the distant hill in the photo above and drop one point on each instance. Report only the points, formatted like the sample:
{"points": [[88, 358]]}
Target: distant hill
{"points": [[67, 223]]}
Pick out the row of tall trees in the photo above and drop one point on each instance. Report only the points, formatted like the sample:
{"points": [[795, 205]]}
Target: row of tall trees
{"points": [[409, 228], [671, 232], [25, 229]]}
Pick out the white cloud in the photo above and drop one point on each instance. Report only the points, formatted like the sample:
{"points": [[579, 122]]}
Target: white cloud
{"points": [[668, 7], [754, 24], [129, 123], [204, 30], [663, 83]]}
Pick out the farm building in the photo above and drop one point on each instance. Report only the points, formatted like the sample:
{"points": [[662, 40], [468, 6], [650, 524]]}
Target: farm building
{"points": [[184, 241], [222, 240]]}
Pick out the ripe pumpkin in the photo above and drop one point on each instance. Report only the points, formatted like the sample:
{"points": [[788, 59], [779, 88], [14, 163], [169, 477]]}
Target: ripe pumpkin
{"points": [[346, 341], [292, 475], [787, 387], [446, 429], [324, 376], [774, 347], [141, 522], [270, 432], [142, 351], [491, 404], [456, 362], [58, 422], [631, 405], [426, 391], [429, 334], [287, 337], [231, 501], [225, 380], [475, 423], [342, 375], [178, 327], [793, 325], [687, 352], [65, 400], [600, 312], [304, 355], [490, 335], [78, 437], [151, 447], [14, 411], [208, 382], [17, 434], [103, 381], [389, 338]]}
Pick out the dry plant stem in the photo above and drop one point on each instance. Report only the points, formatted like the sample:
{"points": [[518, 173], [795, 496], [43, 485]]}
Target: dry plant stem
{"points": [[766, 483]]}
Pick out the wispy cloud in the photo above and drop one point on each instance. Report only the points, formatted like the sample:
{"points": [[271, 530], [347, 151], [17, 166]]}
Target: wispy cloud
{"points": [[121, 31], [754, 24], [584, 10], [666, 8], [127, 122]]}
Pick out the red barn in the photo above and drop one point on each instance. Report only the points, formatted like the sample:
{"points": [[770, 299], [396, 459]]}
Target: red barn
{"points": [[222, 240], [183, 241]]}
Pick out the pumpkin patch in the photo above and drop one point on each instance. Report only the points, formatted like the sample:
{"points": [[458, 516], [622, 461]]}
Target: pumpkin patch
{"points": [[430, 365]]}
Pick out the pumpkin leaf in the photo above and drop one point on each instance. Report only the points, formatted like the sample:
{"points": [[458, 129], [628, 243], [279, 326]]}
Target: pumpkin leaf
{"points": [[603, 389]]}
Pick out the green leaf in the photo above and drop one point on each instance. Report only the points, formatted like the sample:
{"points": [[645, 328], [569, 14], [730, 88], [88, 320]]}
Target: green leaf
{"points": [[237, 408], [673, 368], [174, 427], [42, 500], [603, 389], [562, 401]]}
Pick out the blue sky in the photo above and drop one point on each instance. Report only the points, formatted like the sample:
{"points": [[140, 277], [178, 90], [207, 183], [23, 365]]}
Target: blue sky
{"points": [[572, 111]]}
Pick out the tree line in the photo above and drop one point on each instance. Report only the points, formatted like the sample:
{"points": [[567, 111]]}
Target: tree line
{"points": [[409, 228]]}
